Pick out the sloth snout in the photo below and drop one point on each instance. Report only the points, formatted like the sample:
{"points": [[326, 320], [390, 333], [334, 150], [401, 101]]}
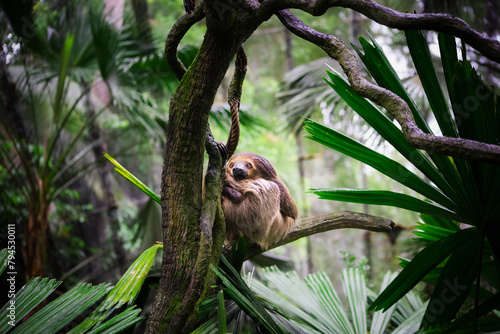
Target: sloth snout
{"points": [[239, 173]]}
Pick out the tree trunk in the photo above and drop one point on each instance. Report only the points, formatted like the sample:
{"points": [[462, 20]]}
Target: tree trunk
{"points": [[141, 15], [35, 249], [181, 285]]}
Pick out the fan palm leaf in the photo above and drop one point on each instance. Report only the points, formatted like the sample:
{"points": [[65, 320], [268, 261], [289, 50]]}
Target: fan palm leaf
{"points": [[455, 189]]}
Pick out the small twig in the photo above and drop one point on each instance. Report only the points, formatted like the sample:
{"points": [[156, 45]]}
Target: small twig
{"points": [[318, 224], [397, 107]]}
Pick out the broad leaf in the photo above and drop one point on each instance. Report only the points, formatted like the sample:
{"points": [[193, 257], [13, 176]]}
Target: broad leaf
{"points": [[60, 312], [120, 322], [26, 299], [354, 285], [381, 319], [4, 255], [454, 283], [383, 197], [384, 74], [421, 265], [126, 290], [243, 296], [394, 136], [380, 162]]}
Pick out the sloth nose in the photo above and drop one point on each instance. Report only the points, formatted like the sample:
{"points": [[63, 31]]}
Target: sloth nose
{"points": [[239, 173]]}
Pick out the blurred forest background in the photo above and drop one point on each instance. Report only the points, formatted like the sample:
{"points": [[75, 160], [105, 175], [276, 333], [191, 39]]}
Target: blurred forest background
{"points": [[108, 89]]}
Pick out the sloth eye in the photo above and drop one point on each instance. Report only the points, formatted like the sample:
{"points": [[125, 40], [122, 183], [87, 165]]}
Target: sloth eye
{"points": [[249, 165], [231, 165]]}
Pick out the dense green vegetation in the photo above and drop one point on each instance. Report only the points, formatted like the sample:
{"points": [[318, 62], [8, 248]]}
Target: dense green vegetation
{"points": [[77, 82]]}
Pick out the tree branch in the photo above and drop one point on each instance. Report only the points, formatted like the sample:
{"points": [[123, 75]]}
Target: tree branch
{"points": [[322, 223], [397, 107], [445, 23], [175, 35]]}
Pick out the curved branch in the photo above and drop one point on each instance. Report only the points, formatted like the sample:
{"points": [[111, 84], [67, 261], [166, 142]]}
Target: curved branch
{"points": [[322, 223], [174, 37], [445, 23], [397, 107]]}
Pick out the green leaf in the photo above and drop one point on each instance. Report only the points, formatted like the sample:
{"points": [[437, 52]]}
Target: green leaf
{"points": [[380, 162], [27, 298], [390, 132], [320, 284], [483, 309], [238, 253], [243, 296], [431, 233], [411, 323], [63, 70], [304, 307], [126, 290], [221, 312], [421, 56], [119, 322], [381, 319], [60, 312], [132, 179], [4, 254], [128, 287], [386, 77], [454, 283], [440, 222], [476, 112], [211, 326], [354, 285], [383, 197], [421, 265]]}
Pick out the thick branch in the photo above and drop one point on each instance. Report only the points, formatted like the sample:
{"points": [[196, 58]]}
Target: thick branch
{"points": [[174, 37], [333, 221], [445, 23], [397, 107]]}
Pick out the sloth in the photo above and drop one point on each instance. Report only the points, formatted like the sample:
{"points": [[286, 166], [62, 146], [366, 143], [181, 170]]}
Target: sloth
{"points": [[255, 202]]}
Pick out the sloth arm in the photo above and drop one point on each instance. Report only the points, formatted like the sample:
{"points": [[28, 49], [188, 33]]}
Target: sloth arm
{"points": [[287, 205], [232, 194]]}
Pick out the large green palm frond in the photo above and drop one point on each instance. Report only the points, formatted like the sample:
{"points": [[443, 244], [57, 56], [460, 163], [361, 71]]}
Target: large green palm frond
{"points": [[309, 305], [454, 189], [63, 310]]}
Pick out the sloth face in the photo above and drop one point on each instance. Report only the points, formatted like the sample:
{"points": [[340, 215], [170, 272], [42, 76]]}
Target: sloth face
{"points": [[240, 169], [249, 166]]}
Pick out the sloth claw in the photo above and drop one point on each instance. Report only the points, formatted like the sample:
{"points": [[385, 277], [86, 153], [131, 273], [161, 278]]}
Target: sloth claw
{"points": [[223, 150]]}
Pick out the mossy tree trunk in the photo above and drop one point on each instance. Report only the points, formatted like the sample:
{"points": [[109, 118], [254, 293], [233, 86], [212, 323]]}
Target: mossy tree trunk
{"points": [[190, 242]]}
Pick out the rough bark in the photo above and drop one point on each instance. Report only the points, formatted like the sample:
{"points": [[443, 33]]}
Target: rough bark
{"points": [[186, 240], [35, 251]]}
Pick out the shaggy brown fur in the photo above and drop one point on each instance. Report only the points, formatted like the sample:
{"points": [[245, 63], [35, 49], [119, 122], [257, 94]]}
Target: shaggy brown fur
{"points": [[256, 203]]}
